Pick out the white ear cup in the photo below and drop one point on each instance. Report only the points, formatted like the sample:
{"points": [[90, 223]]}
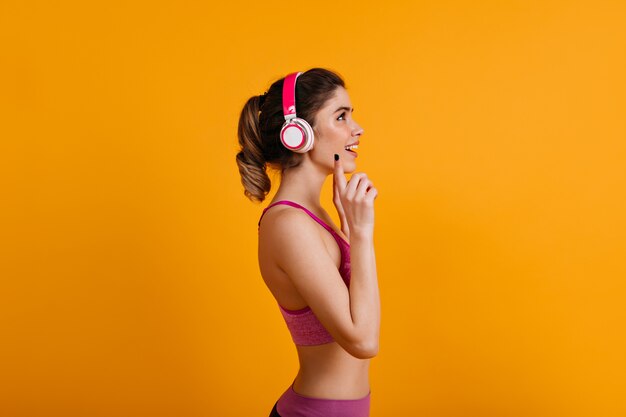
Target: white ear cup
{"points": [[297, 135]]}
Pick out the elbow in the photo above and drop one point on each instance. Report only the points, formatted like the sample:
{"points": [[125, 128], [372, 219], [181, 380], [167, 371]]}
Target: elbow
{"points": [[365, 349]]}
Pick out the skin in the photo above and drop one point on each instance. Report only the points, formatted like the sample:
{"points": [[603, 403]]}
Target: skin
{"points": [[337, 370]]}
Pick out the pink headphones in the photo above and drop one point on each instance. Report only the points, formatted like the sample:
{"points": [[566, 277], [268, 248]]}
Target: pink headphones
{"points": [[296, 134]]}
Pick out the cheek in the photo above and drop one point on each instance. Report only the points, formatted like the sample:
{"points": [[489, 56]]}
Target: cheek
{"points": [[328, 143], [330, 133]]}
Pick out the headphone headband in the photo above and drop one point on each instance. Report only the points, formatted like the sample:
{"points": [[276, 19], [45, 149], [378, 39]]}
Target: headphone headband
{"points": [[289, 95], [296, 134]]}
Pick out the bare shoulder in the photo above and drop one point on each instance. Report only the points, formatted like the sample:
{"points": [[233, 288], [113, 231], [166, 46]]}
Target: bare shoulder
{"points": [[288, 231], [288, 223]]}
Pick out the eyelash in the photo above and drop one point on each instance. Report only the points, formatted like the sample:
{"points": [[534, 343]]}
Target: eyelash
{"points": [[342, 116]]}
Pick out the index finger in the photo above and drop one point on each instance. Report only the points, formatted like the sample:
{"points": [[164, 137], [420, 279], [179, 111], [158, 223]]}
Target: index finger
{"points": [[338, 175]]}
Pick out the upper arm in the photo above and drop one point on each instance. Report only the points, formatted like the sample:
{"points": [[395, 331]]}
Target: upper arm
{"points": [[300, 251]]}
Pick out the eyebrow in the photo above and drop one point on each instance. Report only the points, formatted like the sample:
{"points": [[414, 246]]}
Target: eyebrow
{"points": [[344, 108]]}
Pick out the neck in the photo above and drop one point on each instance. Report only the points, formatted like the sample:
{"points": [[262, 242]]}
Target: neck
{"points": [[302, 184]]}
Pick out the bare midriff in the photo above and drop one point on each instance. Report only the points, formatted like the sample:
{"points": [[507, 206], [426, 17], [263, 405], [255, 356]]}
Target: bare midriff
{"points": [[328, 371]]}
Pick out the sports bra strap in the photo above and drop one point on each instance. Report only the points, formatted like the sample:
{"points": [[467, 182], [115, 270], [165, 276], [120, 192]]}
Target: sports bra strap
{"points": [[292, 204]]}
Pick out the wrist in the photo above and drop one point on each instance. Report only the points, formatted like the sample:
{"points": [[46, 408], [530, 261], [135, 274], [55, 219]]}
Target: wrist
{"points": [[361, 232]]}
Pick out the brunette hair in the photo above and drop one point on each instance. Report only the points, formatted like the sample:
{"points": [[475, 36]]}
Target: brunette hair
{"points": [[260, 123]]}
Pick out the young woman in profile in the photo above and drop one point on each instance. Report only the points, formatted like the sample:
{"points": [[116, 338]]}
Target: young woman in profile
{"points": [[324, 280]]}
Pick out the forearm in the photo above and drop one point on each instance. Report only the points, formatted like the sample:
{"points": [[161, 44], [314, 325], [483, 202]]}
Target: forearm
{"points": [[364, 292]]}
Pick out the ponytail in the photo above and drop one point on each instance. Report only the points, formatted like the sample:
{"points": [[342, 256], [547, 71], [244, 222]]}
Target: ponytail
{"points": [[251, 161]]}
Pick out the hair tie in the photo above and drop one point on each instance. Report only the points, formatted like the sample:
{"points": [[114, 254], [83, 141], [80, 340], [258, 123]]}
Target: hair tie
{"points": [[262, 99]]}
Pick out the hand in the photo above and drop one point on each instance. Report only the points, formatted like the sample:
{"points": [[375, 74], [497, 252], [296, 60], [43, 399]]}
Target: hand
{"points": [[354, 200]]}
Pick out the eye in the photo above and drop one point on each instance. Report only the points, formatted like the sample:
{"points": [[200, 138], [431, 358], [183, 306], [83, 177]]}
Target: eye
{"points": [[342, 116]]}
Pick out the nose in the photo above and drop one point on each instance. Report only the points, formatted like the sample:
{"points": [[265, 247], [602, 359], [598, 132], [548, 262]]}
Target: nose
{"points": [[357, 130]]}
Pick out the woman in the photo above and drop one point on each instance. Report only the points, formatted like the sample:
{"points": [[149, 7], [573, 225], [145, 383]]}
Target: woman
{"points": [[325, 287]]}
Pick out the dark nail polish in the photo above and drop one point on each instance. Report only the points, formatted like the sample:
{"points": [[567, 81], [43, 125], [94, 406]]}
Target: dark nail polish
{"points": [[336, 157]]}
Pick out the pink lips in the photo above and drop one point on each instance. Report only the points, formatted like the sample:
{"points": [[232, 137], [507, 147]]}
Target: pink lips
{"points": [[350, 151]]}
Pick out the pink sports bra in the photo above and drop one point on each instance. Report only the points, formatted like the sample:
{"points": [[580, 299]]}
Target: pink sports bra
{"points": [[303, 325]]}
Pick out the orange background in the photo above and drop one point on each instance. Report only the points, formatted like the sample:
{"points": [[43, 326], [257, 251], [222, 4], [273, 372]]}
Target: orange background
{"points": [[494, 131]]}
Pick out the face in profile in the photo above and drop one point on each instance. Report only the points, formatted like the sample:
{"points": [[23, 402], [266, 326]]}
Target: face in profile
{"points": [[336, 132]]}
